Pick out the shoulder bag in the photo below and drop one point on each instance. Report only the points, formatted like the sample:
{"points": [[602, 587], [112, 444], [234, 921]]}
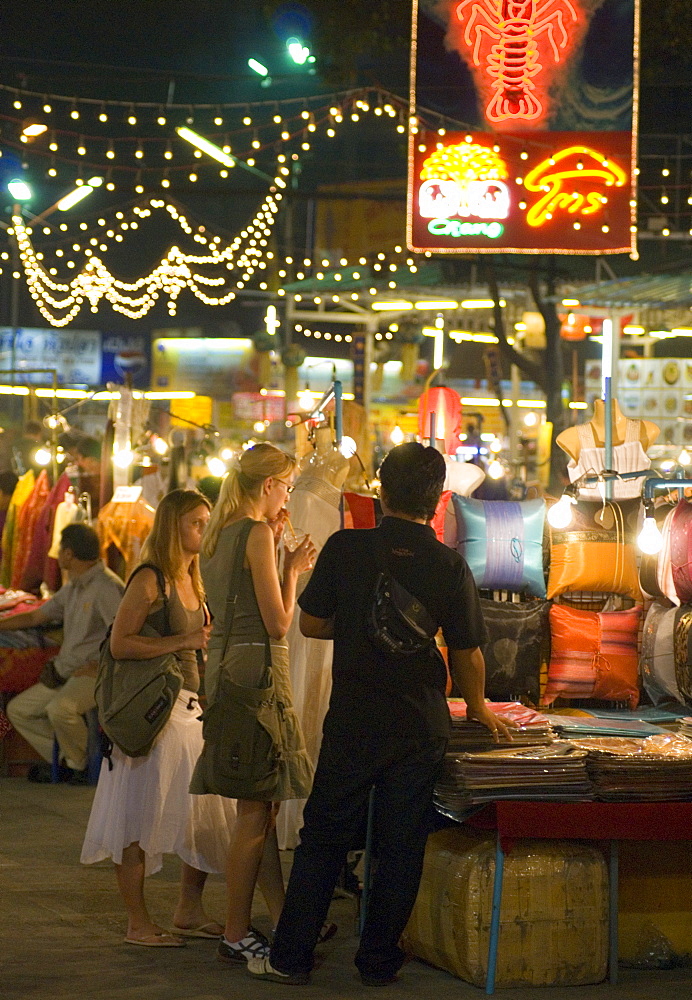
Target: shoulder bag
{"points": [[135, 697], [398, 623], [243, 727]]}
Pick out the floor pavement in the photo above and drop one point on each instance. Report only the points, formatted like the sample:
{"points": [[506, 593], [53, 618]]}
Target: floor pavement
{"points": [[61, 930]]}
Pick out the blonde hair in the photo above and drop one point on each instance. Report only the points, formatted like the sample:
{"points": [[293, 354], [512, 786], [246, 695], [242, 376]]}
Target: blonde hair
{"points": [[163, 547], [244, 482]]}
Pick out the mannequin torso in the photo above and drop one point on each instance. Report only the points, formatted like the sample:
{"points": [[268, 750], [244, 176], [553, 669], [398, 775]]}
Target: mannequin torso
{"points": [[570, 440]]}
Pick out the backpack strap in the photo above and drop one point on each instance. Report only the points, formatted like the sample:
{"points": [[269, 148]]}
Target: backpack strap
{"points": [[161, 581], [235, 582]]}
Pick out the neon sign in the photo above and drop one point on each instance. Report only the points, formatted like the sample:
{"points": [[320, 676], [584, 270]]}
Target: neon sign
{"points": [[465, 180], [515, 41], [548, 176], [521, 192]]}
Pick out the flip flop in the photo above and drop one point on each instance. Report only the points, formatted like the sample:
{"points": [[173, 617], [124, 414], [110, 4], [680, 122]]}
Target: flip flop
{"points": [[200, 932], [160, 940]]}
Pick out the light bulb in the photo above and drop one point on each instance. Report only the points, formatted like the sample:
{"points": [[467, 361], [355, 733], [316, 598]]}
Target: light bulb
{"points": [[684, 457], [531, 419], [348, 447], [650, 539], [259, 427], [124, 458], [496, 470], [42, 456], [159, 445], [226, 454], [305, 399], [397, 436], [560, 514], [495, 446], [216, 466]]}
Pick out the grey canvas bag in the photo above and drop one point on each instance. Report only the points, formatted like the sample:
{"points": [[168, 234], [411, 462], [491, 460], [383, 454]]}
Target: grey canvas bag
{"points": [[135, 697]]}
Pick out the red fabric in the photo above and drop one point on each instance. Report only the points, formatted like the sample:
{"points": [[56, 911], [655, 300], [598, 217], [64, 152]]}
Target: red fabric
{"points": [[362, 510], [586, 820], [21, 668], [37, 568], [438, 521]]}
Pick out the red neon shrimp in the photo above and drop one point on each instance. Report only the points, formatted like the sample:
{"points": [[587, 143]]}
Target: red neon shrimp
{"points": [[513, 27]]}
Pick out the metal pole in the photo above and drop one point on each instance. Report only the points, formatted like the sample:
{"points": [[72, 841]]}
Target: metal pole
{"points": [[607, 402], [14, 294]]}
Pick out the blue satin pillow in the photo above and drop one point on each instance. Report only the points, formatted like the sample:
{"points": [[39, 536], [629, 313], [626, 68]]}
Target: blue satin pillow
{"points": [[502, 541]]}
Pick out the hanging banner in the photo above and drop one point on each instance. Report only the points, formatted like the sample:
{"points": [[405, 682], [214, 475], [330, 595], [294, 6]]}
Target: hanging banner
{"points": [[74, 354], [546, 159]]}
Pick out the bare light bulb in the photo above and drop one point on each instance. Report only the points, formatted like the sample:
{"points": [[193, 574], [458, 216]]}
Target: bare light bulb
{"points": [[397, 436], [159, 445], [216, 466], [560, 514], [684, 457], [496, 470], [348, 447], [42, 456], [650, 539], [123, 458]]}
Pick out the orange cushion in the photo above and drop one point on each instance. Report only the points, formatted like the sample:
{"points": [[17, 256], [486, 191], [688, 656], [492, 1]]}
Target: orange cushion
{"points": [[593, 654], [596, 552]]}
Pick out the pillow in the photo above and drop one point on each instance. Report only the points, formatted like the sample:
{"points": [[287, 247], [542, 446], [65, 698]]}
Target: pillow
{"points": [[649, 564], [518, 643], [593, 655], [682, 649], [502, 541], [681, 550], [658, 659], [596, 552]]}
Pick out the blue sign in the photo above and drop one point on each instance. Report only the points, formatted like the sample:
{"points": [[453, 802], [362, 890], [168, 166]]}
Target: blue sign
{"points": [[123, 355]]}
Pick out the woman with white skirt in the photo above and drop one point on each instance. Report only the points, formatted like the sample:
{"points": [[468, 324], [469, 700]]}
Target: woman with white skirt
{"points": [[142, 807]]}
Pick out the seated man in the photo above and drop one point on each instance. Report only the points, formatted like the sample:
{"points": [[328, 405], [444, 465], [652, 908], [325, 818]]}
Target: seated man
{"points": [[65, 691]]}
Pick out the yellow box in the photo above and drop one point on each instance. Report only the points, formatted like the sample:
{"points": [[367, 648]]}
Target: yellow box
{"points": [[553, 919]]}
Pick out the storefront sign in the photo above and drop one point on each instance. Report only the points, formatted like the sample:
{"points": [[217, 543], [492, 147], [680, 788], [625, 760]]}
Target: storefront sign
{"points": [[74, 354], [126, 356]]}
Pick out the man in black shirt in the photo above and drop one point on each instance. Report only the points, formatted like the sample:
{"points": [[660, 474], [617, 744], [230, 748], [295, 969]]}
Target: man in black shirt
{"points": [[388, 721]]}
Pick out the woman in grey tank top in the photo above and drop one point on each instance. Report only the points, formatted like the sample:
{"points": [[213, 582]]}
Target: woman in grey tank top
{"points": [[251, 657]]}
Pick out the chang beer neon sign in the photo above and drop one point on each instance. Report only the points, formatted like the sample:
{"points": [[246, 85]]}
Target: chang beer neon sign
{"points": [[455, 227], [466, 181]]}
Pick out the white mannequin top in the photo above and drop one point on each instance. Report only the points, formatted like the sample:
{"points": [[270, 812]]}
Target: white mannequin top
{"points": [[629, 456]]}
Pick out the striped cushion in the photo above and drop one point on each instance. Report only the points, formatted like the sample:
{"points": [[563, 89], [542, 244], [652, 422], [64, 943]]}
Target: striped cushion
{"points": [[502, 541], [593, 655]]}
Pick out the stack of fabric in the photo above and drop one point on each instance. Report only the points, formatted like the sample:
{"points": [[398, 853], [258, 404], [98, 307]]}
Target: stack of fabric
{"points": [[556, 772], [658, 768], [685, 728], [533, 728], [575, 727]]}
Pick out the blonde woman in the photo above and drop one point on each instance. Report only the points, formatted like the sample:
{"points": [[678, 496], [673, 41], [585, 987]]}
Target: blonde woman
{"points": [[142, 807], [250, 512]]}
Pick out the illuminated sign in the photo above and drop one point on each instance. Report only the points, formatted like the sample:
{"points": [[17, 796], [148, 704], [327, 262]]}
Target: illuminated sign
{"points": [[515, 44], [546, 191], [546, 163]]}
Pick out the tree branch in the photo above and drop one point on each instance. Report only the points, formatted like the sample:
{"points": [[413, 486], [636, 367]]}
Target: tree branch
{"points": [[532, 370]]}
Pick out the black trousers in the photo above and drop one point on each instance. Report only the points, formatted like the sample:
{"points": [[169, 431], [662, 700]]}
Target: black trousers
{"points": [[403, 772]]}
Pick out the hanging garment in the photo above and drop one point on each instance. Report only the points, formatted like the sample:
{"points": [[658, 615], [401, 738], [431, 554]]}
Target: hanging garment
{"points": [[629, 456], [22, 492], [65, 513], [122, 529], [313, 507], [26, 522], [34, 570]]}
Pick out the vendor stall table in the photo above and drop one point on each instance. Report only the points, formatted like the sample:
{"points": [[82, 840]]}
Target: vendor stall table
{"points": [[612, 821]]}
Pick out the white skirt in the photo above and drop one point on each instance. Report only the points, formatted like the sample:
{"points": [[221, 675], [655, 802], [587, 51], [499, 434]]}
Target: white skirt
{"points": [[146, 799]]}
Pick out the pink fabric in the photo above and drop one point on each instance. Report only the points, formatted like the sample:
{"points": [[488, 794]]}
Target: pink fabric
{"points": [[681, 550]]}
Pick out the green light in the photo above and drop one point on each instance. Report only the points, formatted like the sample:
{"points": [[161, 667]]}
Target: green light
{"points": [[455, 227], [258, 67], [298, 52], [19, 189]]}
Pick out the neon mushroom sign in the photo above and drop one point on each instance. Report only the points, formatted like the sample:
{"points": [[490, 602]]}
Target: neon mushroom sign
{"points": [[578, 164]]}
